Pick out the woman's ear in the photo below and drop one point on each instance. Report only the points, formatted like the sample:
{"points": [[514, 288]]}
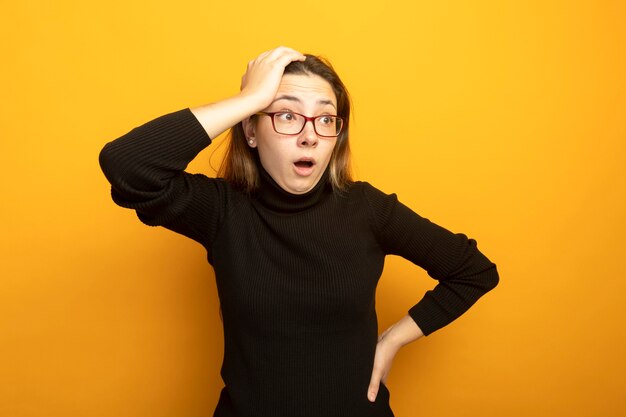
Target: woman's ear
{"points": [[249, 129]]}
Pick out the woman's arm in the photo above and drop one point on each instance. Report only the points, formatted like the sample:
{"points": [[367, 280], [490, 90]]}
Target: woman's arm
{"points": [[147, 157], [463, 273], [146, 166]]}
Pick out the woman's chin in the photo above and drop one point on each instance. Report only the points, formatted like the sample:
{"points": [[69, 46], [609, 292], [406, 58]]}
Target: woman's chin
{"points": [[299, 185]]}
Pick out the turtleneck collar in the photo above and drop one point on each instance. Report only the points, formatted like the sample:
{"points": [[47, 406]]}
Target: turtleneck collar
{"points": [[271, 195]]}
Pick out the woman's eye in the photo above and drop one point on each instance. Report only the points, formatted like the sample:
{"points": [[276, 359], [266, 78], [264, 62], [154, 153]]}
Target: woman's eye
{"points": [[326, 120], [286, 117]]}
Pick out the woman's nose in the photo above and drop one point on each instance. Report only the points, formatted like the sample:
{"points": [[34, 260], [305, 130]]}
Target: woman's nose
{"points": [[308, 137]]}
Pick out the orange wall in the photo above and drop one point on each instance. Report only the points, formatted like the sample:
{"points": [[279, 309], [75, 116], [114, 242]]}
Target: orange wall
{"points": [[501, 119]]}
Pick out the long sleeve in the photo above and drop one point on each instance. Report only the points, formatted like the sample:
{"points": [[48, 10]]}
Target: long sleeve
{"points": [[463, 272], [146, 170]]}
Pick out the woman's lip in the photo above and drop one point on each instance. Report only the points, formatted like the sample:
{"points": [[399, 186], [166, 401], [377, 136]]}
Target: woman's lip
{"points": [[303, 171]]}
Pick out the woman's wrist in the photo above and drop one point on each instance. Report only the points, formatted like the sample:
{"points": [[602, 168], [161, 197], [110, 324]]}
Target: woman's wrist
{"points": [[220, 116], [403, 332]]}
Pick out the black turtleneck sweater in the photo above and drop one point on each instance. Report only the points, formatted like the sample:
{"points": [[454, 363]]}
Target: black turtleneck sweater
{"points": [[296, 274]]}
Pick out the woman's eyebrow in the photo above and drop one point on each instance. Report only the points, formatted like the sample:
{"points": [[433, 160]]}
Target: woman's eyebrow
{"points": [[327, 102], [296, 99]]}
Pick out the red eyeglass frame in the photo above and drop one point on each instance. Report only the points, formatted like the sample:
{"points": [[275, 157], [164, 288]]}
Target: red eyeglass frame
{"points": [[306, 119]]}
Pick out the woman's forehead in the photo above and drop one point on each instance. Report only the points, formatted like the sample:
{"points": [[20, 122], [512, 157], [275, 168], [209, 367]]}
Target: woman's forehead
{"points": [[306, 88]]}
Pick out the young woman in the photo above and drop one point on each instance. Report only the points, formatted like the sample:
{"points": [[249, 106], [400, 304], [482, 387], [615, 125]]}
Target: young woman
{"points": [[296, 245]]}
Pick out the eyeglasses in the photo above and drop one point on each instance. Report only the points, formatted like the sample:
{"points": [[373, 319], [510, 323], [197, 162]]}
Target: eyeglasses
{"points": [[289, 123]]}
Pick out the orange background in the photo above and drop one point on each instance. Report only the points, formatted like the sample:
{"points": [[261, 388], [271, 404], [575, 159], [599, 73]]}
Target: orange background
{"points": [[504, 120]]}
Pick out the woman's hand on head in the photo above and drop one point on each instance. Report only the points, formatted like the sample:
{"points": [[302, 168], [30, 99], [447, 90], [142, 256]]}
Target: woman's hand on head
{"points": [[264, 73], [258, 89]]}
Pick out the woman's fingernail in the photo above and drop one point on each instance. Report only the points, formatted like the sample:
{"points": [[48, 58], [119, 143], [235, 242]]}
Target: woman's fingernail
{"points": [[372, 396]]}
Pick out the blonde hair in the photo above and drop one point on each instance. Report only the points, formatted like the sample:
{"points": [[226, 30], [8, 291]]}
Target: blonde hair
{"points": [[239, 166]]}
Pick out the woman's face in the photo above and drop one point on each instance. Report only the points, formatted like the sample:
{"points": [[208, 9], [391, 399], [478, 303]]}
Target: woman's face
{"points": [[295, 162]]}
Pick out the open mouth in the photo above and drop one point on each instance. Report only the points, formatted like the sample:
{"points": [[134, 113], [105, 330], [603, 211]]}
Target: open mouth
{"points": [[304, 164]]}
